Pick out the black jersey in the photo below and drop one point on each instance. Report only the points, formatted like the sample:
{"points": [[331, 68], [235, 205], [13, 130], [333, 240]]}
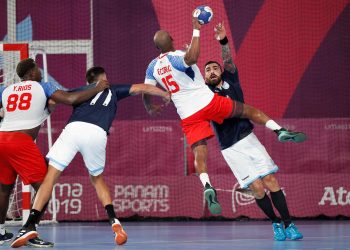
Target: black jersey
{"points": [[231, 130]]}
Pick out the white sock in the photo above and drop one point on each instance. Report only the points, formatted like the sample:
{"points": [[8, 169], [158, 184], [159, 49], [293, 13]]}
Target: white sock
{"points": [[271, 124], [204, 177], [116, 221], [2, 229]]}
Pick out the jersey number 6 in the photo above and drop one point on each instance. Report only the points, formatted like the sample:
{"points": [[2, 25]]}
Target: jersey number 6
{"points": [[23, 104], [170, 84]]}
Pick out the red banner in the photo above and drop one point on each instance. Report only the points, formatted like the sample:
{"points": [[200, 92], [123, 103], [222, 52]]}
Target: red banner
{"points": [[173, 196]]}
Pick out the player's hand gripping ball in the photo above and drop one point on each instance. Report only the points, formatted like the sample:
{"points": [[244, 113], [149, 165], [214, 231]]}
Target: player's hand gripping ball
{"points": [[203, 13]]}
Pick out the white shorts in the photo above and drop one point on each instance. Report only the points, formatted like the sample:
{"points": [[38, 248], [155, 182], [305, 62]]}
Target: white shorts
{"points": [[88, 139], [249, 160]]}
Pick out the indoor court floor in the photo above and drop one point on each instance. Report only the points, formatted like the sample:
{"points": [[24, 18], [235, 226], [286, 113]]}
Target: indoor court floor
{"points": [[192, 235]]}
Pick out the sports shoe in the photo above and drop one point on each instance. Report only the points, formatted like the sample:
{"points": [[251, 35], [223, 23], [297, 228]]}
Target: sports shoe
{"points": [[39, 243], [5, 237], [23, 236], [286, 135], [278, 232], [211, 198], [120, 235], [293, 233]]}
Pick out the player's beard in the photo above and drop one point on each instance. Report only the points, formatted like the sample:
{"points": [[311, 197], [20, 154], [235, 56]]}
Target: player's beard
{"points": [[214, 81]]}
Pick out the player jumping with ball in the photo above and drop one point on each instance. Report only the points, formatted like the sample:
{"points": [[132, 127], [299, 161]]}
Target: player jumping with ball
{"points": [[197, 105]]}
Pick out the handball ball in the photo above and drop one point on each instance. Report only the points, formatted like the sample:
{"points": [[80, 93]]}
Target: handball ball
{"points": [[203, 13]]}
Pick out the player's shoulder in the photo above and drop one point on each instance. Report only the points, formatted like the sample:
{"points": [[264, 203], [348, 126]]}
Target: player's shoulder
{"points": [[177, 53], [152, 64]]}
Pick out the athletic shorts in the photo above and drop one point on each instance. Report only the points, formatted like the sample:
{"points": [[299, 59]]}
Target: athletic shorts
{"points": [[19, 155], [197, 126], [88, 139], [249, 160]]}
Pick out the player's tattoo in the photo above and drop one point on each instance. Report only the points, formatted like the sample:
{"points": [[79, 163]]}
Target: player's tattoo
{"points": [[227, 58]]}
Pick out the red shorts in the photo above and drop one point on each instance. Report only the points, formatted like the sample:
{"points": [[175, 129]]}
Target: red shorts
{"points": [[20, 155], [197, 126]]}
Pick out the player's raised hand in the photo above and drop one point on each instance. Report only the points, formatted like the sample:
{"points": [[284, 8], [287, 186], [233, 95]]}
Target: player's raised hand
{"points": [[220, 31], [195, 22], [102, 85]]}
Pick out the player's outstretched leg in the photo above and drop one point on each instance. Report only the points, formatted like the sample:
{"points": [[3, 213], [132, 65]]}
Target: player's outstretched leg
{"points": [[200, 154], [104, 196], [257, 116]]}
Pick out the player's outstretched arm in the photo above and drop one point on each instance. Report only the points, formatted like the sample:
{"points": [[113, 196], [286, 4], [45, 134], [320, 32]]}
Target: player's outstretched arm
{"points": [[74, 98], [220, 34], [192, 53], [142, 88]]}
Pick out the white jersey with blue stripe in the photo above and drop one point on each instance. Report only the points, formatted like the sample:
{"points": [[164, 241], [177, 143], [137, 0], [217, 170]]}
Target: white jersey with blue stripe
{"points": [[25, 104], [186, 84]]}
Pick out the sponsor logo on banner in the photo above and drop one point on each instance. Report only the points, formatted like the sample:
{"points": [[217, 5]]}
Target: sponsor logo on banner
{"points": [[335, 197], [68, 198], [240, 199], [337, 126], [157, 129], [140, 198]]}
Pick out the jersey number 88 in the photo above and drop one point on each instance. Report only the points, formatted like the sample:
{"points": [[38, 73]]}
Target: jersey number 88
{"points": [[23, 104]]}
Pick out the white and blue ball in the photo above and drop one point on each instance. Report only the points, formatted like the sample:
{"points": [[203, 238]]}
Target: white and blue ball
{"points": [[204, 14]]}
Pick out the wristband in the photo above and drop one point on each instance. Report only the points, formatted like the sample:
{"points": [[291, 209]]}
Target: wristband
{"points": [[195, 33], [224, 41]]}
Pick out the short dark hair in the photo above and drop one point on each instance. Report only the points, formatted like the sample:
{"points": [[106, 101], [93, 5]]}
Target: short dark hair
{"points": [[24, 66], [210, 62], [93, 73]]}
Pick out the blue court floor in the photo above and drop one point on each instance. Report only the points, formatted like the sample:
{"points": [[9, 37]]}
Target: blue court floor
{"points": [[214, 235]]}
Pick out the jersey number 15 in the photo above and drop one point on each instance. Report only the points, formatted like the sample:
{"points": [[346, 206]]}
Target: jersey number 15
{"points": [[170, 84]]}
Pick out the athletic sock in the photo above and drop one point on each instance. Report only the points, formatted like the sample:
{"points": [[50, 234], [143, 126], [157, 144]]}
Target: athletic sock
{"points": [[2, 229], [280, 203], [110, 212], [271, 124], [34, 216], [266, 206], [42, 212], [204, 177]]}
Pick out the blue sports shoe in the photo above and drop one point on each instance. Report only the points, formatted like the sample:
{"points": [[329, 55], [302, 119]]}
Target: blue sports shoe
{"points": [[287, 135], [278, 232], [293, 233], [211, 198]]}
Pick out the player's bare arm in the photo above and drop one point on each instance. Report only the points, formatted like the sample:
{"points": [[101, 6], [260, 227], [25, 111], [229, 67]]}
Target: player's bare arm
{"points": [[74, 98], [192, 53], [220, 34], [149, 90]]}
